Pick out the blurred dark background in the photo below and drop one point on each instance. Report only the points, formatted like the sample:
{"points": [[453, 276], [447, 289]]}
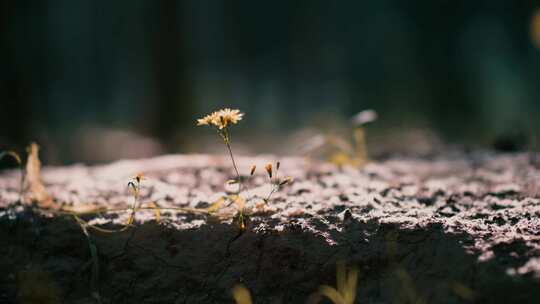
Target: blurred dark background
{"points": [[98, 80]]}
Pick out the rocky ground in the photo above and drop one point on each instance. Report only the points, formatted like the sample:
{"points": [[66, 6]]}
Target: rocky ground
{"points": [[463, 228]]}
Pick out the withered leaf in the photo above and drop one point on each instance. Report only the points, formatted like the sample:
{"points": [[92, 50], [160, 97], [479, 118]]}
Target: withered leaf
{"points": [[35, 189]]}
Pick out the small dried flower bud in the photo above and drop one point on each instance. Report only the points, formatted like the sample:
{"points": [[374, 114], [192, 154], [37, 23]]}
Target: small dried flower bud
{"points": [[268, 169], [287, 180], [278, 164], [252, 170], [139, 177], [131, 185]]}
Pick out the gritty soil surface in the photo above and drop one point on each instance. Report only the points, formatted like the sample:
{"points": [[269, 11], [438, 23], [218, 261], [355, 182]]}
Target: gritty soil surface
{"points": [[463, 228]]}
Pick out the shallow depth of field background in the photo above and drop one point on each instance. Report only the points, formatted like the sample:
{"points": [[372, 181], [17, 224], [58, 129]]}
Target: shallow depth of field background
{"points": [[95, 81]]}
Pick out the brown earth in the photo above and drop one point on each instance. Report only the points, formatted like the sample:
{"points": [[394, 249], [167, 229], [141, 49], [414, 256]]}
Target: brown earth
{"points": [[463, 228]]}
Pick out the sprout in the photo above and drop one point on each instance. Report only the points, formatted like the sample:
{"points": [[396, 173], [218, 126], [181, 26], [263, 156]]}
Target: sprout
{"points": [[346, 281], [359, 122]]}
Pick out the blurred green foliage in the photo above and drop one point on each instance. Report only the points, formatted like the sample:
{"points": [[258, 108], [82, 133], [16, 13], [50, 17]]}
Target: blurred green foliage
{"points": [[467, 69]]}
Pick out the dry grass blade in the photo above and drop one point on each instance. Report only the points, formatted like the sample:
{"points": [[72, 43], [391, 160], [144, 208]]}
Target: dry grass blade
{"points": [[18, 159], [241, 295], [85, 209], [94, 280], [38, 192], [157, 211], [408, 288], [332, 294], [135, 188], [341, 277], [216, 205], [13, 155], [345, 291], [350, 286], [98, 210], [87, 225], [239, 201]]}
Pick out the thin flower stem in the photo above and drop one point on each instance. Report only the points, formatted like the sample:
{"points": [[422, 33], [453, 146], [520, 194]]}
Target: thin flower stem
{"points": [[275, 185], [234, 165], [270, 194]]}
